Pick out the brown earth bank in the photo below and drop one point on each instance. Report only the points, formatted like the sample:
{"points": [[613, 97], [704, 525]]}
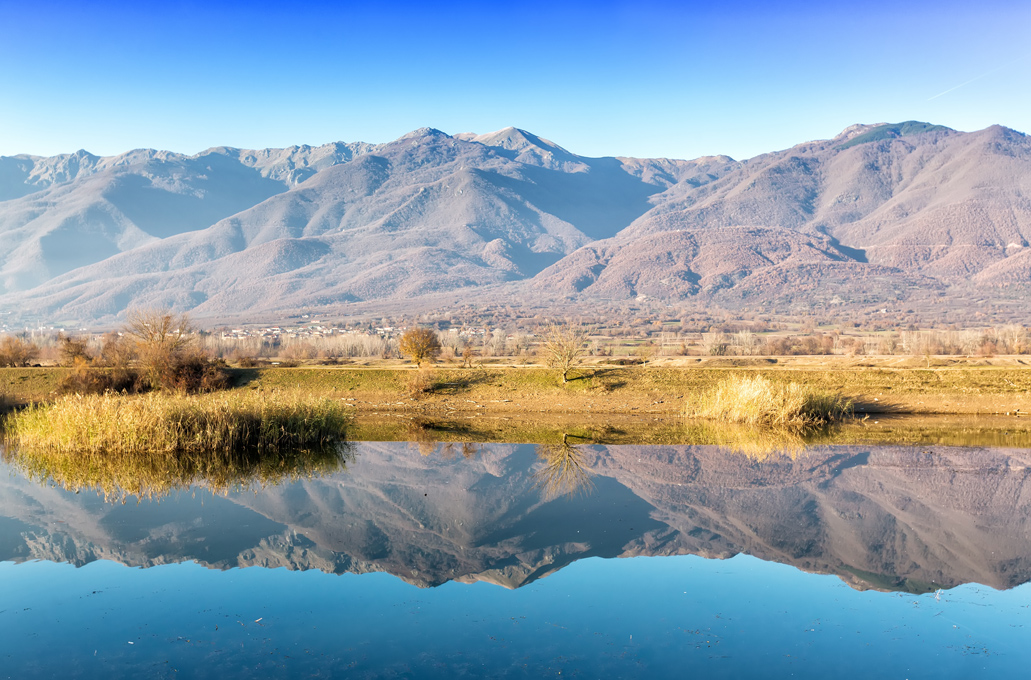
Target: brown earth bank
{"points": [[878, 385]]}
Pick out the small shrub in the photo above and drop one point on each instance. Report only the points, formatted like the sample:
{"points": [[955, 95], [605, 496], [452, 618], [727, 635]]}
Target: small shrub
{"points": [[564, 347], [85, 379], [194, 373], [422, 381]]}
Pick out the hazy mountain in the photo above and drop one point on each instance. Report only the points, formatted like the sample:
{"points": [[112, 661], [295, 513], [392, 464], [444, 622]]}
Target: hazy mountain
{"points": [[876, 214], [889, 517]]}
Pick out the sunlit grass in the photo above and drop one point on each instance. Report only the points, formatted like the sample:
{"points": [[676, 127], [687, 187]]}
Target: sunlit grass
{"points": [[149, 445], [173, 423], [755, 400]]}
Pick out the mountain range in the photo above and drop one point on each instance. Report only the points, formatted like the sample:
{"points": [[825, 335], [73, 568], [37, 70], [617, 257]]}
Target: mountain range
{"points": [[876, 216]]}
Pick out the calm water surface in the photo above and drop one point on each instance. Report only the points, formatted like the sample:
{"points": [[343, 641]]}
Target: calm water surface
{"points": [[431, 560]]}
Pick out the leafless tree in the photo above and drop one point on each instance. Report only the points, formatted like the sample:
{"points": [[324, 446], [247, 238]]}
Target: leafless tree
{"points": [[17, 352], [161, 338], [564, 347]]}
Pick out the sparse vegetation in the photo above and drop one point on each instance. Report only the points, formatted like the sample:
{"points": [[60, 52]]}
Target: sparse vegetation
{"points": [[421, 382], [755, 400]]}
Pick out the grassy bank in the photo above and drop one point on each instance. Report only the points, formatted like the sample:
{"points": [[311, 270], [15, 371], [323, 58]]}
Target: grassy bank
{"points": [[652, 389], [664, 390]]}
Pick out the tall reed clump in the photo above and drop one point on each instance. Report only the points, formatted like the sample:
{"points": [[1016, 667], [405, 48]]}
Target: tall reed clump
{"points": [[758, 401], [149, 445], [177, 423]]}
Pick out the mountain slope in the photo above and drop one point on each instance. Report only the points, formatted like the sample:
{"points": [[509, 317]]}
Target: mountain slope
{"points": [[425, 213], [878, 214]]}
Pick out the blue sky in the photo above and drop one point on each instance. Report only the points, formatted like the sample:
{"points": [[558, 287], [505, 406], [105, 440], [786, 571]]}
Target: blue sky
{"points": [[603, 78]]}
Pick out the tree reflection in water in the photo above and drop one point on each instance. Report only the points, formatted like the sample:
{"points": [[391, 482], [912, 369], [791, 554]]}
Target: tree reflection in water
{"points": [[563, 473]]}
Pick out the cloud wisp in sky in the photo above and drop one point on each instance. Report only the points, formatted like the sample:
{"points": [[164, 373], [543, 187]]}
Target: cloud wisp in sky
{"points": [[977, 78]]}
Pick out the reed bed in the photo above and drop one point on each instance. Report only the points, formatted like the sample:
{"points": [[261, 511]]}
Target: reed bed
{"points": [[755, 400], [174, 423], [150, 445]]}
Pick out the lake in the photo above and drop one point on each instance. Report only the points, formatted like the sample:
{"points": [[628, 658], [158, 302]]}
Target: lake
{"points": [[428, 559]]}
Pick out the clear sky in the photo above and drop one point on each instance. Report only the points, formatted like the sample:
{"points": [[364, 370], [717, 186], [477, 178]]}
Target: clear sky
{"points": [[600, 78]]}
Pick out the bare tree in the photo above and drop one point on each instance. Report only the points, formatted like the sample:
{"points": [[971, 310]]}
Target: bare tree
{"points": [[162, 329], [16, 352], [564, 347], [419, 344], [161, 338]]}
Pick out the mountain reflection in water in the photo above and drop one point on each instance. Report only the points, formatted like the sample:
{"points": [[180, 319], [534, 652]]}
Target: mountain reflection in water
{"points": [[885, 517]]}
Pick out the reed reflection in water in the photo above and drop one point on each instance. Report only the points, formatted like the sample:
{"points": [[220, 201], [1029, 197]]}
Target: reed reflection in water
{"points": [[151, 475]]}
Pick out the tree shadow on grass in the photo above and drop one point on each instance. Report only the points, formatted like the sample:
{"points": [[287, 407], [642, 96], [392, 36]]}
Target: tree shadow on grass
{"points": [[460, 385]]}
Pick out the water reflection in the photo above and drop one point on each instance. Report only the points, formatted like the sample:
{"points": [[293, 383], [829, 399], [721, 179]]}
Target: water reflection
{"points": [[563, 472], [899, 518], [118, 476]]}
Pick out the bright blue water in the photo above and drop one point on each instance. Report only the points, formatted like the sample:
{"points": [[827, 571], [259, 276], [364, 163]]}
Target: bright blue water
{"points": [[606, 581], [680, 616]]}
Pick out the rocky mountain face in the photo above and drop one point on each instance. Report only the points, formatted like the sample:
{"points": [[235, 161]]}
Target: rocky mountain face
{"points": [[892, 518], [876, 214]]}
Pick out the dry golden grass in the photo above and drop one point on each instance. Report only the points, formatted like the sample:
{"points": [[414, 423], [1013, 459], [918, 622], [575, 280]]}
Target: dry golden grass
{"points": [[755, 400], [173, 423], [149, 445]]}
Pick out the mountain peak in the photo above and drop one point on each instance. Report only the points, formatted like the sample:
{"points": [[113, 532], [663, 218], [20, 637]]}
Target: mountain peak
{"points": [[861, 134], [422, 132], [515, 139]]}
